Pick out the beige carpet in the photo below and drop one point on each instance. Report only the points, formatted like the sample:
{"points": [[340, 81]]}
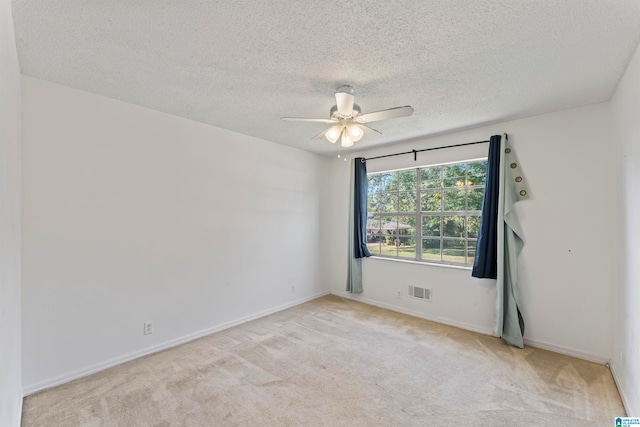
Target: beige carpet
{"points": [[335, 362]]}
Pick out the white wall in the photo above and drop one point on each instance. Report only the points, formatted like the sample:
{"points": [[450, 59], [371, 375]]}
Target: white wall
{"points": [[133, 215], [567, 263], [10, 364], [625, 109]]}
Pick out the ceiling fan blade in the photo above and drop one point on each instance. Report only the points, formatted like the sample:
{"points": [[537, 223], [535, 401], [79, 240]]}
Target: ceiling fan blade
{"points": [[321, 134], [331, 133], [344, 102], [303, 119], [391, 113], [370, 128]]}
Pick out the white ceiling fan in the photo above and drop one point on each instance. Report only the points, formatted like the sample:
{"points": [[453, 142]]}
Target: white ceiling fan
{"points": [[348, 122]]}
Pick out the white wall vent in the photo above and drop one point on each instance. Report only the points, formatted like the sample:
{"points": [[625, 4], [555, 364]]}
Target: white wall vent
{"points": [[420, 293]]}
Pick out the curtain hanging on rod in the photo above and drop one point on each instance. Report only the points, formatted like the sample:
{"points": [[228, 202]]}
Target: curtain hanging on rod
{"points": [[357, 224], [500, 238]]}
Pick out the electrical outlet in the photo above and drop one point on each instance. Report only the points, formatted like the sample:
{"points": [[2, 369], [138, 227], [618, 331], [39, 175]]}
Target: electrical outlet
{"points": [[293, 288], [148, 328], [399, 295]]}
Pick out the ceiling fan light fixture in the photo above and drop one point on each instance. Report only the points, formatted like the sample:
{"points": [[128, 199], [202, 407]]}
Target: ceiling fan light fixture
{"points": [[333, 133], [346, 140], [355, 132]]}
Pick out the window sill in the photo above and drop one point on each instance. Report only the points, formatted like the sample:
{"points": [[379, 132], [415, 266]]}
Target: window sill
{"points": [[431, 264]]}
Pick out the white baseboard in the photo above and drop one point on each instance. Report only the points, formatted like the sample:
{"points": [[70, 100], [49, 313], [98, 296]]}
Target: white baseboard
{"points": [[568, 351], [625, 401], [83, 372], [475, 328], [437, 319]]}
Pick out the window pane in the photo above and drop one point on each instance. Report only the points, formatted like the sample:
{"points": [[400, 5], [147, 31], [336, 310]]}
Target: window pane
{"points": [[476, 173], [373, 234], [387, 202], [430, 177], [473, 225], [453, 226], [432, 201], [431, 226], [407, 180], [454, 175], [407, 202], [388, 227], [376, 236], [474, 200], [373, 201], [374, 183], [431, 249], [407, 246], [453, 251], [454, 200], [373, 224], [471, 251], [407, 226], [387, 238], [389, 181]]}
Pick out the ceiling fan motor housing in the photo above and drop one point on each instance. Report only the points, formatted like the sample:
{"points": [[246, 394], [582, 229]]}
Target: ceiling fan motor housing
{"points": [[334, 114]]}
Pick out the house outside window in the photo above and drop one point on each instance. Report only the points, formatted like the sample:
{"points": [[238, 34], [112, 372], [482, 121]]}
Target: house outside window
{"points": [[429, 214]]}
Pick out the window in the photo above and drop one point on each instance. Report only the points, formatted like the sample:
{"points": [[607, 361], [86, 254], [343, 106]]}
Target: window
{"points": [[429, 214]]}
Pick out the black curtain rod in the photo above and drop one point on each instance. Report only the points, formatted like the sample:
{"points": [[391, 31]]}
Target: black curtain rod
{"points": [[415, 152]]}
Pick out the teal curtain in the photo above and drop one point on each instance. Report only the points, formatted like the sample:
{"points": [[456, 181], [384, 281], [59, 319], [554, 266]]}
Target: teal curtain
{"points": [[360, 189], [485, 264], [357, 224], [500, 238], [508, 322]]}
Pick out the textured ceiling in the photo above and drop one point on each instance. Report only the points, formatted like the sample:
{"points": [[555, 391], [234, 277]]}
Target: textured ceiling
{"points": [[242, 65]]}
